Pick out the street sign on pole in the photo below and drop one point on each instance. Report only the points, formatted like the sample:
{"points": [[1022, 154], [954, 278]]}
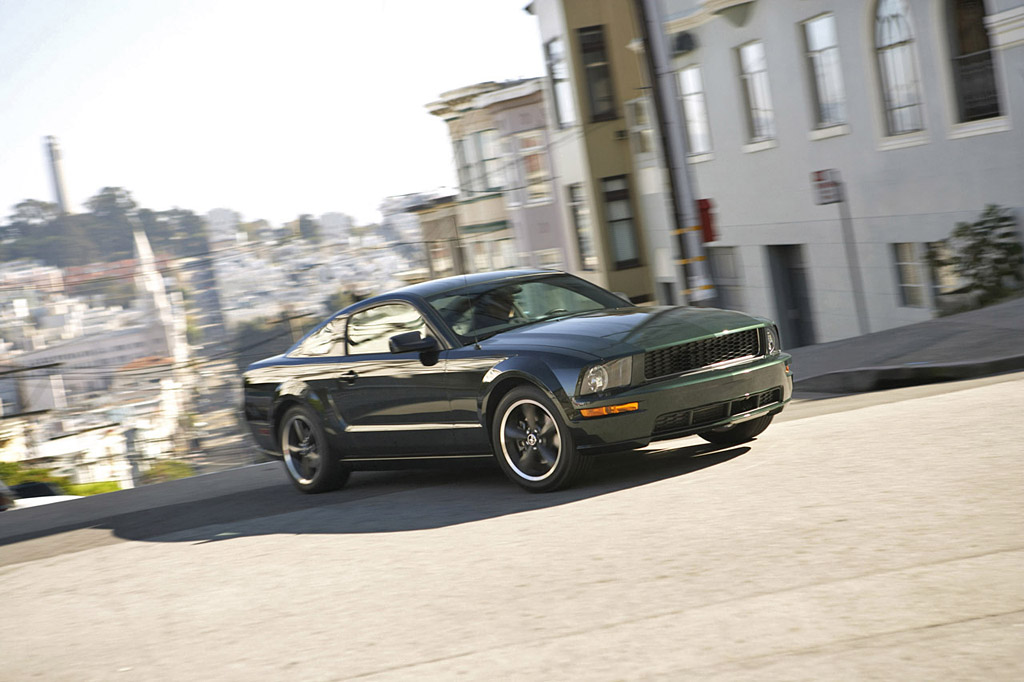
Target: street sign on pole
{"points": [[828, 188]]}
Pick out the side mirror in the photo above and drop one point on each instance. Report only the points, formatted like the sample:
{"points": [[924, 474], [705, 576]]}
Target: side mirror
{"points": [[412, 342]]}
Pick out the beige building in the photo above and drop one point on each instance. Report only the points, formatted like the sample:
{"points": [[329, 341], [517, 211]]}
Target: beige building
{"points": [[439, 223], [595, 79], [483, 222]]}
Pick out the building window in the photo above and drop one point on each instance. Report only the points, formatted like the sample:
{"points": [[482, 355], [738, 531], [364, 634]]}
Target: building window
{"points": [[973, 72], [582, 226], [479, 167], [558, 72], [827, 82], [695, 111], [909, 274], [754, 72], [619, 214], [894, 45], [533, 160], [598, 74], [641, 137]]}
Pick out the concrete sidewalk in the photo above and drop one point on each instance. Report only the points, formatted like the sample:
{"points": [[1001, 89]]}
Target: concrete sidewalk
{"points": [[964, 346]]}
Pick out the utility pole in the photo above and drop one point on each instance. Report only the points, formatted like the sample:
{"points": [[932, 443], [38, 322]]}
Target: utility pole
{"points": [[695, 272]]}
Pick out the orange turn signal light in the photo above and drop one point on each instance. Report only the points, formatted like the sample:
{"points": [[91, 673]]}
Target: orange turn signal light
{"points": [[611, 409]]}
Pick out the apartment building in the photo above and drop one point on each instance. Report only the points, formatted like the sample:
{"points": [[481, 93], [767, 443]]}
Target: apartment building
{"points": [[594, 78], [508, 210], [838, 142]]}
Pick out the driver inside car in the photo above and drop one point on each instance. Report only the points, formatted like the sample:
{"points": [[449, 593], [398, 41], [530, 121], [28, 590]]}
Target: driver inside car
{"points": [[493, 308]]}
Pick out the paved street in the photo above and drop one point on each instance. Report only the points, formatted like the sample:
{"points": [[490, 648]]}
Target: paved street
{"points": [[876, 536]]}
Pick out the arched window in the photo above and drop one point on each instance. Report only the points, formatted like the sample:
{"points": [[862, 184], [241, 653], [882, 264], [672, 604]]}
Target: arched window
{"points": [[973, 72], [894, 44]]}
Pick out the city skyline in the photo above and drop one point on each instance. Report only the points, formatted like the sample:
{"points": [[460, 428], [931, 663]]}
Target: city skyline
{"points": [[317, 109]]}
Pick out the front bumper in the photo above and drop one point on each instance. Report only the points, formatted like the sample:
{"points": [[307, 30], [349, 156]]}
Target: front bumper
{"points": [[685, 405]]}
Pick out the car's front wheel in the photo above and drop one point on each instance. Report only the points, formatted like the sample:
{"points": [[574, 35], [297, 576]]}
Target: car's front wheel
{"points": [[307, 459], [737, 433], [532, 443]]}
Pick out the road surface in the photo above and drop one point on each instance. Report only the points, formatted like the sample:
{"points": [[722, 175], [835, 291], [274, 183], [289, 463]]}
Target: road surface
{"points": [[869, 537]]}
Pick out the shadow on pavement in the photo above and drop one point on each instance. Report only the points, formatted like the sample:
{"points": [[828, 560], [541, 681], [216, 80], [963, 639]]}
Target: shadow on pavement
{"points": [[384, 502]]}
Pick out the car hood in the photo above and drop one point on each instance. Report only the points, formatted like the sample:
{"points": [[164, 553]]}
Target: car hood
{"points": [[648, 328]]}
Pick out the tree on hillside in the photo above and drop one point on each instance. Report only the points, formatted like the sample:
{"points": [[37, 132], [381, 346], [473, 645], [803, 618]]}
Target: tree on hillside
{"points": [[33, 212], [116, 218], [60, 240], [112, 202], [175, 232], [28, 216]]}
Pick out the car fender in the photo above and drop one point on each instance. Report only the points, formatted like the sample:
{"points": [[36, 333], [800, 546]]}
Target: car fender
{"points": [[532, 370], [296, 392]]}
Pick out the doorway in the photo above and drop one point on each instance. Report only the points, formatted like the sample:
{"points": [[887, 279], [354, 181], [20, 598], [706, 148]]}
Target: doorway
{"points": [[792, 294]]}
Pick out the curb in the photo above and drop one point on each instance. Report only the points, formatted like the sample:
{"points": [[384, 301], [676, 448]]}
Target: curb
{"points": [[864, 379]]}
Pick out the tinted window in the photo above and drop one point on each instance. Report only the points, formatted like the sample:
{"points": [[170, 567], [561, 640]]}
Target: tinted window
{"points": [[328, 340], [482, 310], [369, 330]]}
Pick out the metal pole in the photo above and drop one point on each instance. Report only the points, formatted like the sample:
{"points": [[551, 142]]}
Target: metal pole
{"points": [[698, 287], [852, 262]]}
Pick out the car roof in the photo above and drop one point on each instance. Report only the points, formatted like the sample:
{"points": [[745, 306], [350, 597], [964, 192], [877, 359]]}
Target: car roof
{"points": [[439, 286]]}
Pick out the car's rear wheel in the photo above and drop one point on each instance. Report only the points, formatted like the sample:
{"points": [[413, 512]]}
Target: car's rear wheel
{"points": [[533, 444], [737, 433], [307, 459]]}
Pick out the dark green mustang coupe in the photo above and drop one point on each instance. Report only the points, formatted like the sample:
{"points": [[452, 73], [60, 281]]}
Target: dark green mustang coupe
{"points": [[538, 369]]}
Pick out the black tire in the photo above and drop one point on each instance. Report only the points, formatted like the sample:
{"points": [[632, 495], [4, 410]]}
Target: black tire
{"points": [[308, 461], [532, 443], [737, 433]]}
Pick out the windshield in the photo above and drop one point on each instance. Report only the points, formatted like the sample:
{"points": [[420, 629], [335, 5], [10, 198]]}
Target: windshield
{"points": [[482, 310]]}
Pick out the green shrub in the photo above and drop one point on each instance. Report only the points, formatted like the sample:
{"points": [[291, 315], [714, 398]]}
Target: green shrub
{"points": [[987, 255], [12, 473], [93, 488], [167, 470]]}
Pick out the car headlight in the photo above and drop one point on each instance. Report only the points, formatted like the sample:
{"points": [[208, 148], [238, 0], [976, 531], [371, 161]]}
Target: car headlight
{"points": [[607, 375], [774, 342]]}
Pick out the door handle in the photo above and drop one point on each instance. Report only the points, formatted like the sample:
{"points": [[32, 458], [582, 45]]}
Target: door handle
{"points": [[349, 376]]}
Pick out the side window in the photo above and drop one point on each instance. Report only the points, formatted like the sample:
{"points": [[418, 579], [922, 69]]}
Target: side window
{"points": [[369, 330], [326, 341]]}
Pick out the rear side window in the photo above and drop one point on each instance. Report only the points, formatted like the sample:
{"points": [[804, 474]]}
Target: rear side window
{"points": [[327, 341]]}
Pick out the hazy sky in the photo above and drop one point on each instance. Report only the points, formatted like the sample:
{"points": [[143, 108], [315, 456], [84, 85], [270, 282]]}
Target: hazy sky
{"points": [[271, 109]]}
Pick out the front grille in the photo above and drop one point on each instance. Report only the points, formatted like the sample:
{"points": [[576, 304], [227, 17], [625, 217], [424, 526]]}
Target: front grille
{"points": [[715, 412], [687, 357]]}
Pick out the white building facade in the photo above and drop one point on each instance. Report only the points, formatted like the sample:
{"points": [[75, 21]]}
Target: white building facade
{"points": [[915, 106]]}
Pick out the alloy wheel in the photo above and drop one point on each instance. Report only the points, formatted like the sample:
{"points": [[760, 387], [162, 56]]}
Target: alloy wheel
{"points": [[302, 451], [530, 440]]}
